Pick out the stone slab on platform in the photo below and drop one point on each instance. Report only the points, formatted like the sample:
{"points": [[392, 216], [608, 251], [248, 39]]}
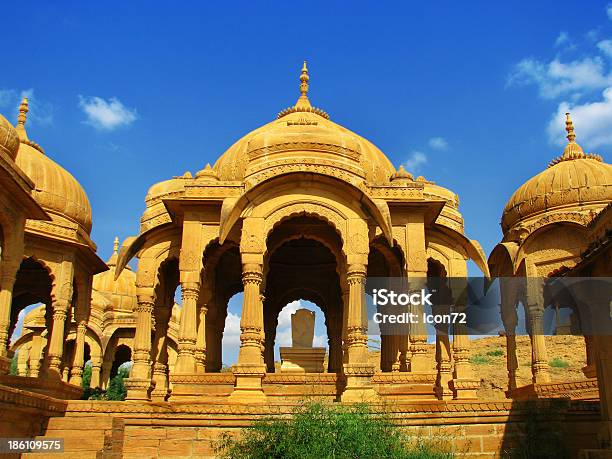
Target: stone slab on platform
{"points": [[586, 389], [46, 386], [302, 359]]}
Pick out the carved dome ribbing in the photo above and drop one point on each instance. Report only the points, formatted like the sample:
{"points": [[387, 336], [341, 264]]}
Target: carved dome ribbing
{"points": [[9, 139], [304, 134], [56, 190], [573, 180], [121, 292]]}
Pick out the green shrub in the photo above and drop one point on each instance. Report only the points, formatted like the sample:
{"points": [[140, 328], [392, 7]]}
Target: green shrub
{"points": [[86, 382], [558, 362], [495, 353], [320, 431], [480, 359], [116, 389], [13, 368]]}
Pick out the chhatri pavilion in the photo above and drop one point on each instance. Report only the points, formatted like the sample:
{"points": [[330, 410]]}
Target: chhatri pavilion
{"points": [[298, 209]]}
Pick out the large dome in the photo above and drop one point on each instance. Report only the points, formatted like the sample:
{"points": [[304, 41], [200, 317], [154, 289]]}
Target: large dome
{"points": [[305, 135], [9, 140], [573, 179], [56, 190], [120, 292]]}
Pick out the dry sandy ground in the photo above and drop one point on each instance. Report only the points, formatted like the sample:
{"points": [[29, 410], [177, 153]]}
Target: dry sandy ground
{"points": [[491, 367]]}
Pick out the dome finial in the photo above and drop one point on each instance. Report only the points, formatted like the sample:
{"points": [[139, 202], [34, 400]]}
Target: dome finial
{"points": [[569, 127], [21, 119], [116, 245], [303, 101], [304, 80]]}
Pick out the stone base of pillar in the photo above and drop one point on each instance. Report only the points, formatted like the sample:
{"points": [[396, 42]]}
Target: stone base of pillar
{"points": [[443, 389], [420, 362], [464, 389], [138, 389], [358, 384], [5, 365], [248, 388]]}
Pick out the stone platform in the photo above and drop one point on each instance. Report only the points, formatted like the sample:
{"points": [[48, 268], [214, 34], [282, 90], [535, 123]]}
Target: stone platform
{"points": [[302, 359]]}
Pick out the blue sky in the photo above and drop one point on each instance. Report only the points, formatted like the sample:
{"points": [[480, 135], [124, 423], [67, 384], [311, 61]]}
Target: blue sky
{"points": [[470, 95]]}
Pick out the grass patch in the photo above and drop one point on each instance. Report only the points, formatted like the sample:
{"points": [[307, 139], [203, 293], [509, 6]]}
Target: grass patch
{"points": [[320, 431], [480, 359], [558, 362], [495, 353]]}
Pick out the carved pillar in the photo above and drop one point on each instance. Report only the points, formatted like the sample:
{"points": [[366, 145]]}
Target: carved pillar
{"points": [[186, 363], [105, 374], [250, 368], [95, 373], [76, 373], [464, 384], [344, 335], [160, 365], [56, 343], [38, 343], [23, 354], [509, 315], [535, 311], [358, 370], [417, 275], [139, 383], [201, 348], [7, 280]]}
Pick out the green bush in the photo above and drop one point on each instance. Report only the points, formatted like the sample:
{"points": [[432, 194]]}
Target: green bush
{"points": [[320, 431], [558, 362], [13, 368], [116, 389], [495, 353], [480, 359], [86, 382]]}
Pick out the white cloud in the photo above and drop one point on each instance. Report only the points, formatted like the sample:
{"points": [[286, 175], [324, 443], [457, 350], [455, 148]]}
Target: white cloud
{"points": [[557, 78], [416, 160], [609, 11], [284, 318], [592, 121], [562, 38], [107, 114], [40, 112], [231, 332], [438, 143], [605, 47]]}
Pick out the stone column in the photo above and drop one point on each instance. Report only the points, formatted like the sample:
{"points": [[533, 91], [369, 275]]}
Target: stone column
{"points": [[56, 342], [535, 312], [105, 374], [510, 321], [7, 280], [250, 368], [160, 366], [186, 362], [201, 348], [344, 334], [139, 383], [358, 370], [464, 384], [23, 354], [35, 355], [76, 373], [416, 268], [95, 373]]}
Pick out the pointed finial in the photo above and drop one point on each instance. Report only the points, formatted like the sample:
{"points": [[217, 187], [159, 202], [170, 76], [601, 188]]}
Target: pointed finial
{"points": [[23, 111], [569, 127], [116, 245], [304, 80]]}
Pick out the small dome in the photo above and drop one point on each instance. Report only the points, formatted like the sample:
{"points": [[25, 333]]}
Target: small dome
{"points": [[573, 179], [56, 190], [300, 133], [9, 139], [120, 292]]}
